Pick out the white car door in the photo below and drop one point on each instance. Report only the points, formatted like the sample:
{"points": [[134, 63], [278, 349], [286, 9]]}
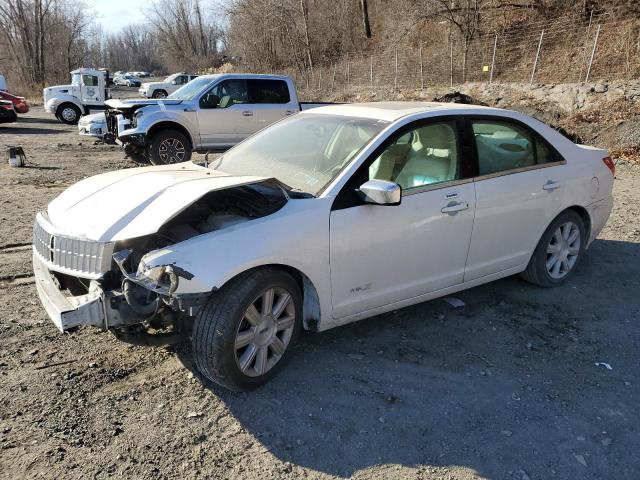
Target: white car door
{"points": [[518, 192], [385, 254], [225, 116], [90, 90], [271, 99]]}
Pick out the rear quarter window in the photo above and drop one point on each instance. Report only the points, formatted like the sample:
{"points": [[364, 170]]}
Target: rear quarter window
{"points": [[269, 91]]}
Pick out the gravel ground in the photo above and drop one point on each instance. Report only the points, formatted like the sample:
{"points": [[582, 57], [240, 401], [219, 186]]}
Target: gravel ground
{"points": [[505, 387]]}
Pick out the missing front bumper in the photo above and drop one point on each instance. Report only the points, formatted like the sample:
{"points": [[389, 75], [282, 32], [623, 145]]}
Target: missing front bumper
{"points": [[68, 312]]}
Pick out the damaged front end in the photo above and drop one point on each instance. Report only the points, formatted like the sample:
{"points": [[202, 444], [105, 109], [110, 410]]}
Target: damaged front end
{"points": [[110, 286]]}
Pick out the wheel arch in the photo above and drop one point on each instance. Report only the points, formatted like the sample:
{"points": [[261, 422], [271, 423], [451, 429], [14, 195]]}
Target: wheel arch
{"points": [[169, 125], [311, 313]]}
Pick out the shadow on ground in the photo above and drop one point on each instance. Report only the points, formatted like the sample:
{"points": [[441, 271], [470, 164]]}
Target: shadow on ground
{"points": [[505, 386]]}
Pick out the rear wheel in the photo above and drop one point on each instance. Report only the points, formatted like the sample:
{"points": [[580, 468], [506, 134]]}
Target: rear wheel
{"points": [[68, 113], [159, 94], [558, 252], [244, 335], [169, 146]]}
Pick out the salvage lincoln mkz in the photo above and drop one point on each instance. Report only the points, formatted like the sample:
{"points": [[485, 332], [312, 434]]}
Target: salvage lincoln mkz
{"points": [[326, 217]]}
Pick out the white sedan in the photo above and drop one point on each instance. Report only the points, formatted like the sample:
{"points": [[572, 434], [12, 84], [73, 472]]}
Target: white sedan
{"points": [[329, 216]]}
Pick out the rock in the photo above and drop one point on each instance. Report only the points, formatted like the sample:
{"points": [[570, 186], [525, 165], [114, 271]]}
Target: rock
{"points": [[600, 88], [605, 442], [194, 414], [93, 365], [580, 459], [506, 433], [381, 420], [33, 352]]}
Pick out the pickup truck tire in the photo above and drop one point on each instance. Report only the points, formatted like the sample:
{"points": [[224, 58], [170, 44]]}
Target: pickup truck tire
{"points": [[245, 333], [558, 252], [169, 146], [68, 113], [159, 94]]}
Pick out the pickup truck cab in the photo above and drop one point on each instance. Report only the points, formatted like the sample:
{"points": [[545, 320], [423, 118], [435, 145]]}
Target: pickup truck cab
{"points": [[211, 113], [166, 87]]}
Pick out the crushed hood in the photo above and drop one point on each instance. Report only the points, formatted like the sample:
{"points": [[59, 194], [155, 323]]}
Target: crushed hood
{"points": [[134, 202], [119, 104]]}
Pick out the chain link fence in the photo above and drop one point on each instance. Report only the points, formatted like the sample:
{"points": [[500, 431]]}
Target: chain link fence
{"points": [[568, 49]]}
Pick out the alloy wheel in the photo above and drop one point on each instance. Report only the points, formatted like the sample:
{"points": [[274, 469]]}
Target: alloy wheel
{"points": [[265, 331], [171, 150], [563, 250]]}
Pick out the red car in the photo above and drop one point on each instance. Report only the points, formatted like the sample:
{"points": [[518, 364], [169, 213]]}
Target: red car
{"points": [[19, 103]]}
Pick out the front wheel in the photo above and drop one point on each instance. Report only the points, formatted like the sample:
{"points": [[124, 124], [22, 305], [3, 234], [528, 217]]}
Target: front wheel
{"points": [[558, 252], [68, 113], [169, 146], [244, 335]]}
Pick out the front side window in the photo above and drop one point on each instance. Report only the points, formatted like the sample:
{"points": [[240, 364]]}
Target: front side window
{"points": [[182, 79], [269, 91], [503, 146], [423, 156], [225, 94], [90, 80]]}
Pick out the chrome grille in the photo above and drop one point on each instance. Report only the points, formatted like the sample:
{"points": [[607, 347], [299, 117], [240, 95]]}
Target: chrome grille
{"points": [[82, 258]]}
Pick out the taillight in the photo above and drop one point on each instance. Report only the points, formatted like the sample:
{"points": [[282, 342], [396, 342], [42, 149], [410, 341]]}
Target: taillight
{"points": [[610, 165]]}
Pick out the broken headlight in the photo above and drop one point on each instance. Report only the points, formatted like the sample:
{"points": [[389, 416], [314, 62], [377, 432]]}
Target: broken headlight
{"points": [[161, 279]]}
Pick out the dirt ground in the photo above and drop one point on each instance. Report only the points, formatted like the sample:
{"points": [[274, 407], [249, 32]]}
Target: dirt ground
{"points": [[509, 386]]}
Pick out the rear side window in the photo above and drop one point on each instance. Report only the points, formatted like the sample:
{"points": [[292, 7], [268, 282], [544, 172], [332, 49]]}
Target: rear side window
{"points": [[503, 146], [269, 91]]}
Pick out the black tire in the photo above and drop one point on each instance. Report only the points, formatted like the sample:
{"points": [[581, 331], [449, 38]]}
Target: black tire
{"points": [[166, 146], [537, 271], [159, 94], [68, 113], [215, 328]]}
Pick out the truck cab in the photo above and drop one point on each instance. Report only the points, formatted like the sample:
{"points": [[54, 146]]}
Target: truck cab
{"points": [[210, 113], [88, 91]]}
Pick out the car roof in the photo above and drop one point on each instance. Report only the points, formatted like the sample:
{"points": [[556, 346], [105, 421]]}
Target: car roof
{"points": [[264, 76], [391, 111]]}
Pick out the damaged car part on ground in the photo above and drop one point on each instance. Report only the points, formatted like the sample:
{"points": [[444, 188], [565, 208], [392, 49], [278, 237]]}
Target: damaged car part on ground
{"points": [[328, 217]]}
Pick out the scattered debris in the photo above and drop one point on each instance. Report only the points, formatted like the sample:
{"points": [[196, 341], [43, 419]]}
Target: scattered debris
{"points": [[506, 433], [605, 442], [454, 302], [581, 460], [49, 365], [195, 415], [470, 354], [356, 356], [603, 364]]}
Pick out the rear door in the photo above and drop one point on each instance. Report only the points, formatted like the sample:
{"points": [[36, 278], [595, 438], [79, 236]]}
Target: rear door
{"points": [[518, 192], [271, 101], [225, 116]]}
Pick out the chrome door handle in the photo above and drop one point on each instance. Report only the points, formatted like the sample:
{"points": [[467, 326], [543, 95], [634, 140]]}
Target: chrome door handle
{"points": [[247, 113], [550, 186], [455, 207], [189, 109]]}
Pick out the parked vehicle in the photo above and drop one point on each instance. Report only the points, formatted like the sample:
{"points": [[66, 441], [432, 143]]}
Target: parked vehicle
{"points": [[126, 80], [330, 216], [7, 112], [167, 86], [88, 91], [213, 112], [19, 103], [94, 125]]}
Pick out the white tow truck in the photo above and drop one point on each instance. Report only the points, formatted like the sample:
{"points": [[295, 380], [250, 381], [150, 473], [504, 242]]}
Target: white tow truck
{"points": [[88, 91]]}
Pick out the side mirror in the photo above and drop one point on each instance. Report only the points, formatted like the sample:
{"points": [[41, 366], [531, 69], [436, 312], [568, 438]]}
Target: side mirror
{"points": [[380, 192], [174, 82]]}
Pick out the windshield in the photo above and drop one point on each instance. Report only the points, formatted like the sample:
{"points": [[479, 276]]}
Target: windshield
{"points": [[170, 77], [75, 79], [305, 152], [189, 90]]}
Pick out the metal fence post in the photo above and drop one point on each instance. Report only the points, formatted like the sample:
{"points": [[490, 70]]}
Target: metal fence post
{"points": [[395, 78], [421, 71], [586, 46], [535, 63], [371, 72], [348, 72], [333, 80], [493, 59], [593, 54]]}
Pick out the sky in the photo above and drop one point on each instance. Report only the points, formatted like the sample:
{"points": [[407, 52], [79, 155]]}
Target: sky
{"points": [[115, 14]]}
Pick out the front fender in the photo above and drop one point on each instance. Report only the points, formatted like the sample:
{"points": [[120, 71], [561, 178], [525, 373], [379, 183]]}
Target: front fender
{"points": [[296, 236], [52, 104], [151, 117]]}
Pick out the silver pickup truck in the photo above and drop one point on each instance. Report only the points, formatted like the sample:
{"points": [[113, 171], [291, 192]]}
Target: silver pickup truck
{"points": [[210, 113]]}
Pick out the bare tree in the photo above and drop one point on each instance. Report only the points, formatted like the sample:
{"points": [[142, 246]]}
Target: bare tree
{"points": [[364, 7]]}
